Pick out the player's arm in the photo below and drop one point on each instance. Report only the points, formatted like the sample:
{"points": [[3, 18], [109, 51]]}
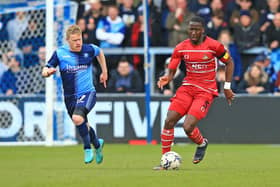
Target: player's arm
{"points": [[50, 69], [172, 67], [104, 74], [229, 67]]}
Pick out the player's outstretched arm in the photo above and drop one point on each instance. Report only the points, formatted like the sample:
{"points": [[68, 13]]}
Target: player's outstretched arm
{"points": [[46, 72], [104, 74], [227, 87]]}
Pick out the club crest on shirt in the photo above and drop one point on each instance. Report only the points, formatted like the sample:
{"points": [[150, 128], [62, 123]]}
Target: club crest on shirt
{"points": [[85, 55], [205, 57]]}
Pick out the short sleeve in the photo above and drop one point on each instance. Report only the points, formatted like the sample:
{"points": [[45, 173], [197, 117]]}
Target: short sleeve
{"points": [[53, 62], [175, 59], [96, 49]]}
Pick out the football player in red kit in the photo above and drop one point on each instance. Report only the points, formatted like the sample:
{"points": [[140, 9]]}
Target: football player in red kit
{"points": [[194, 97]]}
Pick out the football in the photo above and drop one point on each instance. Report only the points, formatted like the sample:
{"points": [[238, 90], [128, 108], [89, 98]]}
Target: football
{"points": [[171, 160]]}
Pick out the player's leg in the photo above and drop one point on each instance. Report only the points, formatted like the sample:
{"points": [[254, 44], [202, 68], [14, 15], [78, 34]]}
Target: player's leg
{"points": [[98, 143], [179, 106], [77, 117], [198, 110], [167, 134], [79, 120]]}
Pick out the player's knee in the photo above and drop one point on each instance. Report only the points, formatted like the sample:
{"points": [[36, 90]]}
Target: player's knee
{"points": [[77, 119], [189, 127]]}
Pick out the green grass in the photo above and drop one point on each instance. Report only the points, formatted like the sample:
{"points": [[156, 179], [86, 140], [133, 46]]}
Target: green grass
{"points": [[130, 166]]}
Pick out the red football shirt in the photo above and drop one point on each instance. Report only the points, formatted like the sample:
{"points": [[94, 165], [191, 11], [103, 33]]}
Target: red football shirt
{"points": [[201, 62]]}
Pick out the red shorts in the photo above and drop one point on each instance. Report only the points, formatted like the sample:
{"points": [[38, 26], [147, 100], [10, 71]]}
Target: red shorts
{"points": [[191, 100]]}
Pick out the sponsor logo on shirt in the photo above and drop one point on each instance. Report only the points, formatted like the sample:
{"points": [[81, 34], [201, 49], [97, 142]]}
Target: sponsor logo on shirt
{"points": [[74, 69]]}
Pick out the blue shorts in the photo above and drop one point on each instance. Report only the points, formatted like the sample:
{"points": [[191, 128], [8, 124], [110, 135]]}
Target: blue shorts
{"points": [[83, 103]]}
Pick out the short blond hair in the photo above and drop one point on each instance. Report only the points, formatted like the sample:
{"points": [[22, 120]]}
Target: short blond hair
{"points": [[73, 29]]}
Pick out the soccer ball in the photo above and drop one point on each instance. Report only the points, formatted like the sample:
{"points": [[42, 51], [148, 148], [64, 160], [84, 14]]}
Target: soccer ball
{"points": [[171, 160]]}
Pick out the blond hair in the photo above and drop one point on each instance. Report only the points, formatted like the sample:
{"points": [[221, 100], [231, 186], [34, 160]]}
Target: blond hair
{"points": [[73, 29]]}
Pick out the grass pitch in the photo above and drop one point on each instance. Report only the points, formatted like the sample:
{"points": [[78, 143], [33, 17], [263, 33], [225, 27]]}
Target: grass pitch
{"points": [[131, 166]]}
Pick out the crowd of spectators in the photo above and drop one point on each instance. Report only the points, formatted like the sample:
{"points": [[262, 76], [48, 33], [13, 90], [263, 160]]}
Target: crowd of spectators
{"points": [[239, 24]]}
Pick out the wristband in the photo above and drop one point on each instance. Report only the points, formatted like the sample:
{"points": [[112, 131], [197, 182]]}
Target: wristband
{"points": [[227, 86]]}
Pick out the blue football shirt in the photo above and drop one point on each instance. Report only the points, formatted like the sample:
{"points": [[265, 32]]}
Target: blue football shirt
{"points": [[76, 68]]}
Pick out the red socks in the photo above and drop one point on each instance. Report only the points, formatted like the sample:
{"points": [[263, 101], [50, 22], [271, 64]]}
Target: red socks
{"points": [[196, 136], [167, 137]]}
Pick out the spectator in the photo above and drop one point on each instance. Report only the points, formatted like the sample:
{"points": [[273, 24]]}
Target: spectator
{"points": [[9, 78], [128, 14], [216, 5], [216, 25], [226, 39], [111, 29], [202, 9], [91, 31], [177, 23], [273, 33], [263, 60], [277, 85], [169, 7], [3, 31], [33, 36], [246, 33], [255, 81], [173, 85], [16, 26], [154, 19], [125, 79], [95, 11], [245, 6], [267, 15]]}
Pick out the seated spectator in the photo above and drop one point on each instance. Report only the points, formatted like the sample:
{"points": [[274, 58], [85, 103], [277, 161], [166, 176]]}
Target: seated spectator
{"points": [[216, 24], [111, 29], [246, 33], [9, 78], [125, 79], [177, 23], [255, 81], [173, 85], [245, 5], [277, 85]]}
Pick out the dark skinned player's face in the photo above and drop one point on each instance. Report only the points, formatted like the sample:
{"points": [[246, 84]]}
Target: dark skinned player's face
{"points": [[196, 32]]}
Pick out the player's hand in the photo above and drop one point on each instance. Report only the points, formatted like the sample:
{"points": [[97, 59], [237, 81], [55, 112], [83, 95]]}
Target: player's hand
{"points": [[51, 71], [48, 71], [103, 78], [229, 96], [163, 81]]}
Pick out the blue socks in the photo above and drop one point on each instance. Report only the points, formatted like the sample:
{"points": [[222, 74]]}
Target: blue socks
{"points": [[84, 133], [93, 138]]}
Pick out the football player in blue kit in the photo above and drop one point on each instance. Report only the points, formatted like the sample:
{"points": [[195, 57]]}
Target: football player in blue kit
{"points": [[76, 69]]}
